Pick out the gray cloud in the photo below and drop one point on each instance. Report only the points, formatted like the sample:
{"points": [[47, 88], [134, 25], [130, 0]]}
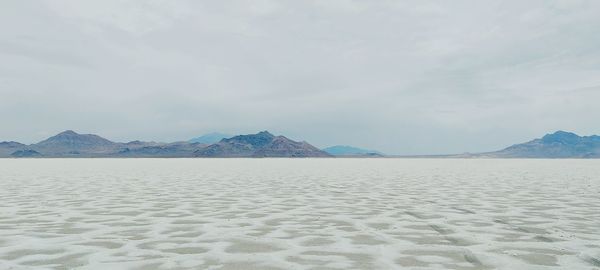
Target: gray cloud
{"points": [[398, 76]]}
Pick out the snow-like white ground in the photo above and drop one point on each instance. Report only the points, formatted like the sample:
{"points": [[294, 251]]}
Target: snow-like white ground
{"points": [[299, 214]]}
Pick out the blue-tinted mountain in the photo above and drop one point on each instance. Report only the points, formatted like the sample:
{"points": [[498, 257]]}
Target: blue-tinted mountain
{"points": [[25, 153], [11, 144], [210, 138], [8, 148], [560, 144], [345, 150], [281, 146], [262, 144]]}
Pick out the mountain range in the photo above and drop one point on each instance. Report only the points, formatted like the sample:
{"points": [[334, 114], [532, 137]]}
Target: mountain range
{"points": [[67, 144]]}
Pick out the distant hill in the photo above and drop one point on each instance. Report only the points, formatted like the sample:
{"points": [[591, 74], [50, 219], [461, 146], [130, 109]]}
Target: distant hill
{"points": [[25, 153], [74, 140], [262, 144], [345, 150], [11, 144], [178, 149], [7, 148], [72, 143], [560, 144], [210, 138]]}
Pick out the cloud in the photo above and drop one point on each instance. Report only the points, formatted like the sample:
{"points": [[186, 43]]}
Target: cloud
{"points": [[401, 77]]}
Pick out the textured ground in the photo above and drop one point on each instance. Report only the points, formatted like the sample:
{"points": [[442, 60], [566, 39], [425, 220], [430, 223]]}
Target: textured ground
{"points": [[299, 214]]}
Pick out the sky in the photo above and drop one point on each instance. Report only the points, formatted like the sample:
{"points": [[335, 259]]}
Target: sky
{"points": [[402, 77]]}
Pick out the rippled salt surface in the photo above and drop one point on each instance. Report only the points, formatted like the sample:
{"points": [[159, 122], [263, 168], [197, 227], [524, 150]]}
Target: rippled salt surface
{"points": [[299, 214]]}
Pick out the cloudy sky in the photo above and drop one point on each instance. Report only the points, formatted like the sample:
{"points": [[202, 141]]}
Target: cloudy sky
{"points": [[403, 77]]}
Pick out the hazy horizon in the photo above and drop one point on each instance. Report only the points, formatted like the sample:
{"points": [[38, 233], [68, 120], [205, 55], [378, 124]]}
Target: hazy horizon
{"points": [[429, 77], [299, 139]]}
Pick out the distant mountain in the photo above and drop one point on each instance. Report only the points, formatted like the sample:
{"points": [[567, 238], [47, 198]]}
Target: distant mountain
{"points": [[262, 144], [7, 148], [560, 144], [179, 149], [141, 144], [237, 146], [25, 153], [281, 146], [72, 143], [210, 138], [11, 144], [69, 144], [74, 140], [345, 150]]}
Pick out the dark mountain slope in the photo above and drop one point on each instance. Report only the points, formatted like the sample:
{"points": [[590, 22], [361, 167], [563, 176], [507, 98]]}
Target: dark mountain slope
{"points": [[281, 146], [262, 144]]}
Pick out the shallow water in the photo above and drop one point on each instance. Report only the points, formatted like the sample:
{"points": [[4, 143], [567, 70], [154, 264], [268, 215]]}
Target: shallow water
{"points": [[299, 214]]}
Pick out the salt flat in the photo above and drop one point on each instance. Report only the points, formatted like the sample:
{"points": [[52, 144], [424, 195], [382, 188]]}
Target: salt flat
{"points": [[299, 214]]}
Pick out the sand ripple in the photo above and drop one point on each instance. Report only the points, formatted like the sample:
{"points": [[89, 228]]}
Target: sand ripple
{"points": [[299, 214]]}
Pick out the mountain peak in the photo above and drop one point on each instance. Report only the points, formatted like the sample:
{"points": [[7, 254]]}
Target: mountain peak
{"points": [[264, 132], [68, 132], [210, 138], [560, 144], [564, 133], [261, 144], [561, 137], [256, 140], [11, 144], [70, 140]]}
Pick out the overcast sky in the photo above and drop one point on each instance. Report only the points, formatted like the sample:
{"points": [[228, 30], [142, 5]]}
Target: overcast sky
{"points": [[402, 77]]}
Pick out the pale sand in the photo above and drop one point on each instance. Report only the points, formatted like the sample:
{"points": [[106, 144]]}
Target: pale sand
{"points": [[299, 214]]}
